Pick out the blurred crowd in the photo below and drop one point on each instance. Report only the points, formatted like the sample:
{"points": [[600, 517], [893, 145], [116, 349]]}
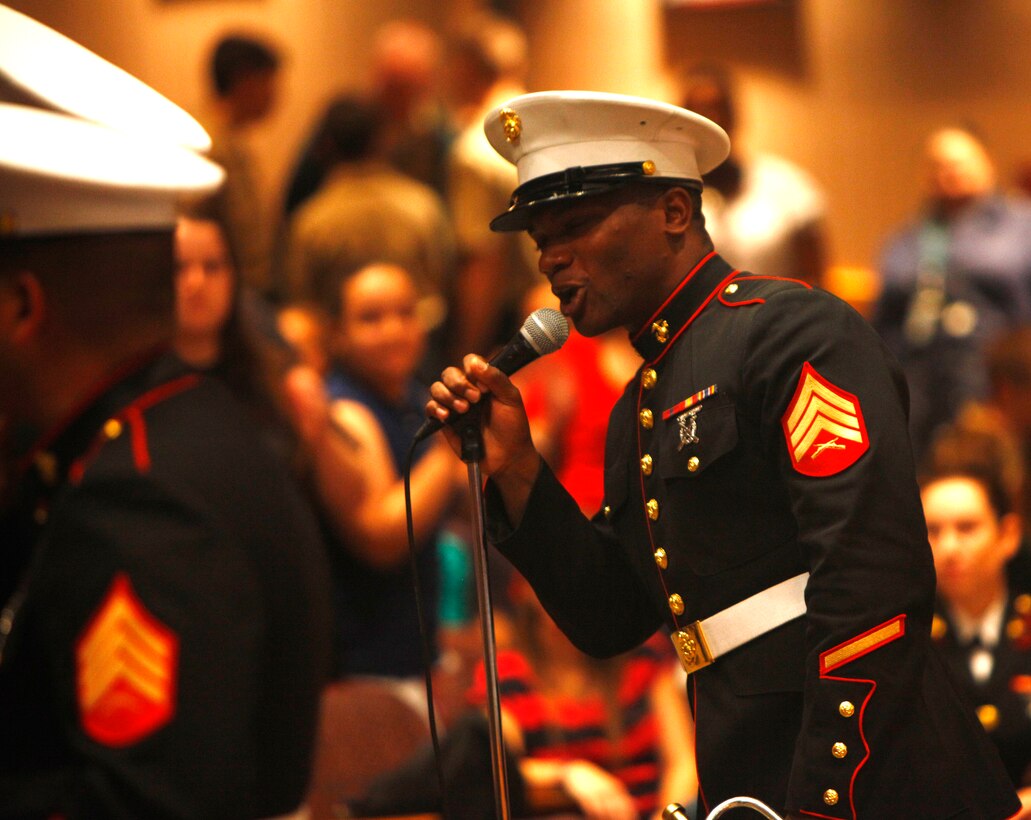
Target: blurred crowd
{"points": [[378, 269], [328, 318]]}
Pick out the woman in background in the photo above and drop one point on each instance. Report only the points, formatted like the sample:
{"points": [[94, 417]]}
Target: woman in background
{"points": [[377, 342], [983, 620]]}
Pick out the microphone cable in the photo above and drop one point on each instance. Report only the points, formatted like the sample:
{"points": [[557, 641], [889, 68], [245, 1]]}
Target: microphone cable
{"points": [[420, 608]]}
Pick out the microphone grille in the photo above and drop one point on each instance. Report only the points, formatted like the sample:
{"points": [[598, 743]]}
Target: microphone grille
{"points": [[546, 330]]}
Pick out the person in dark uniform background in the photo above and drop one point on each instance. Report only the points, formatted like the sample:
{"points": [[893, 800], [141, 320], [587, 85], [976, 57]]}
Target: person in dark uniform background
{"points": [[760, 497], [954, 279], [165, 631], [982, 622]]}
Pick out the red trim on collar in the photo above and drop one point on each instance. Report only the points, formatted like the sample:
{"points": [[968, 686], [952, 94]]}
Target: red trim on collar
{"points": [[672, 296], [690, 321]]}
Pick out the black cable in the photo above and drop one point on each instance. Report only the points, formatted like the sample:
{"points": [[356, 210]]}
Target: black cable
{"points": [[427, 652]]}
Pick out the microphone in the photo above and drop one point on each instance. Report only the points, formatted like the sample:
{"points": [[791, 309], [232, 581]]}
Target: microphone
{"points": [[544, 331]]}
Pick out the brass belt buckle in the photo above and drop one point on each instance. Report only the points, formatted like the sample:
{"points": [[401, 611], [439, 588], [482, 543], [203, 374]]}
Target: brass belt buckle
{"points": [[692, 647]]}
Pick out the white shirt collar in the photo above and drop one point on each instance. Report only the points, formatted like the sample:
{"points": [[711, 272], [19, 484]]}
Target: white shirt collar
{"points": [[988, 627]]}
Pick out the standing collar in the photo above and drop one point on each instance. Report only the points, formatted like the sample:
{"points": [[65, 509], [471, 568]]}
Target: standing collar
{"points": [[679, 309], [62, 445]]}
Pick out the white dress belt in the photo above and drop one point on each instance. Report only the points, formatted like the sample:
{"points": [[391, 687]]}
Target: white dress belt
{"points": [[700, 643]]}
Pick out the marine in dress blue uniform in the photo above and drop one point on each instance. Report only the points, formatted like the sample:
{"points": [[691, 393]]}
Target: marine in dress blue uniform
{"points": [[761, 450], [168, 612]]}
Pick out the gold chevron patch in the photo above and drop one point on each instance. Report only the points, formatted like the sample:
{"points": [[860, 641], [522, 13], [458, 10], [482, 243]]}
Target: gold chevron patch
{"points": [[126, 669], [823, 426], [862, 644]]}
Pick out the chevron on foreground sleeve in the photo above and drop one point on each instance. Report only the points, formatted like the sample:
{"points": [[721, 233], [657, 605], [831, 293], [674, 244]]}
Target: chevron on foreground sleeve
{"points": [[126, 663], [823, 426]]}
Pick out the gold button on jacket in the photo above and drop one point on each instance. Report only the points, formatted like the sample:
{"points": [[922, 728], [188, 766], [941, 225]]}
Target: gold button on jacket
{"points": [[646, 464]]}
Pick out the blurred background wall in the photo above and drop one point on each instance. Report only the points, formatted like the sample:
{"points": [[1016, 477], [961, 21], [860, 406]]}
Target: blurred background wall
{"points": [[846, 88]]}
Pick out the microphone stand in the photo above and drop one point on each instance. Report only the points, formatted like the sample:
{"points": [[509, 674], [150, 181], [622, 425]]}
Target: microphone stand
{"points": [[471, 435]]}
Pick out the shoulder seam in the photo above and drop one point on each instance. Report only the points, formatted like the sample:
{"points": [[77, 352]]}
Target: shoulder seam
{"points": [[758, 300]]}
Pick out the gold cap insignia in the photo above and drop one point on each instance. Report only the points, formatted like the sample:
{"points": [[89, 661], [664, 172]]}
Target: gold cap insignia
{"points": [[648, 168], [511, 124]]}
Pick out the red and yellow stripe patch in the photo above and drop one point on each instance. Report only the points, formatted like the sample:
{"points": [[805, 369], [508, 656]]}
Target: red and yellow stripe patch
{"points": [[126, 669], [862, 644]]}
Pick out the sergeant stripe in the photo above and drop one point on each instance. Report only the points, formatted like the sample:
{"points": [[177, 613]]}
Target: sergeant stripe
{"points": [[813, 388], [863, 644]]}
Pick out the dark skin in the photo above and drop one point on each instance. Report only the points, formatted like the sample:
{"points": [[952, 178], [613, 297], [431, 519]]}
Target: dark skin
{"points": [[611, 259]]}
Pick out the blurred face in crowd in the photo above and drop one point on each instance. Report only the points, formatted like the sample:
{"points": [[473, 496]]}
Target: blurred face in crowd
{"points": [[970, 541], [254, 95], [379, 336], [605, 257], [959, 166], [204, 280], [406, 59], [708, 98]]}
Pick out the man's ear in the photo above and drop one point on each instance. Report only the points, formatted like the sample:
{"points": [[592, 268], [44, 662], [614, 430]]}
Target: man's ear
{"points": [[678, 210], [24, 305]]}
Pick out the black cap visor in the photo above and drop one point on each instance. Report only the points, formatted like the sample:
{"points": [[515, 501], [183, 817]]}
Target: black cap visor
{"points": [[574, 183]]}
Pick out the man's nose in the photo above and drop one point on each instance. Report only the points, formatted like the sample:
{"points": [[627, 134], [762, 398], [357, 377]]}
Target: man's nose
{"points": [[553, 259], [949, 542]]}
